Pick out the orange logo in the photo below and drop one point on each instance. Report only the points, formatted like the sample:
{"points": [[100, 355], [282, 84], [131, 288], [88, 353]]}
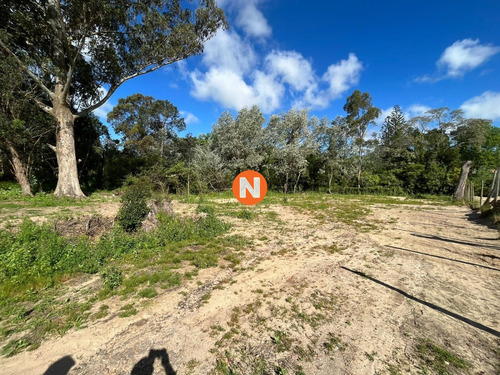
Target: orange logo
{"points": [[249, 187]]}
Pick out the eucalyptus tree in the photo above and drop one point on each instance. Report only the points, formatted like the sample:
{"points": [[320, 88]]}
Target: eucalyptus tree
{"points": [[240, 141], [290, 140], [146, 124], [209, 168], [360, 114], [23, 126], [79, 52], [336, 149]]}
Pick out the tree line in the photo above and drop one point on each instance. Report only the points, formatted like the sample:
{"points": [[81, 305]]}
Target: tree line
{"points": [[293, 150]]}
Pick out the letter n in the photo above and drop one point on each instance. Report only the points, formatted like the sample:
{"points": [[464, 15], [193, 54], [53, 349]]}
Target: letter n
{"points": [[245, 185]]}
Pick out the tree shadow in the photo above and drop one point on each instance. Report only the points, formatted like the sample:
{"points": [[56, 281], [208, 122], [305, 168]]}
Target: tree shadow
{"points": [[440, 309], [450, 259], [146, 365], [476, 218], [452, 240], [60, 367]]}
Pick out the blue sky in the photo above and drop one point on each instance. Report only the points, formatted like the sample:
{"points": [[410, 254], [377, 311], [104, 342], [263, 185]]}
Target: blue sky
{"points": [[280, 54]]}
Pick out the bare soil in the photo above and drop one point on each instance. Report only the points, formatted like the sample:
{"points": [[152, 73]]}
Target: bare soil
{"points": [[312, 296]]}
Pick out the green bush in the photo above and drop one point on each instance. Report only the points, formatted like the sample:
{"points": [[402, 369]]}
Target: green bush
{"points": [[134, 207], [112, 277]]}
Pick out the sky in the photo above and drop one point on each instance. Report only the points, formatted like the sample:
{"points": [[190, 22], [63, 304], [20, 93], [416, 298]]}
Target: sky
{"points": [[313, 54]]}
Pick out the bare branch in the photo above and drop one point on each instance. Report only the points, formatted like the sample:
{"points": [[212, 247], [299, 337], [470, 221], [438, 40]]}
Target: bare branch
{"points": [[113, 88], [43, 107], [53, 148], [26, 69]]}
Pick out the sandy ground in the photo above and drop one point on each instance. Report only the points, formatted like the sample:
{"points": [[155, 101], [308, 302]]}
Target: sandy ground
{"points": [[346, 302]]}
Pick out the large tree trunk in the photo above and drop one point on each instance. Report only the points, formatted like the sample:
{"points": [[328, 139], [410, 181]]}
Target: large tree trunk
{"points": [[460, 192], [67, 180], [20, 170]]}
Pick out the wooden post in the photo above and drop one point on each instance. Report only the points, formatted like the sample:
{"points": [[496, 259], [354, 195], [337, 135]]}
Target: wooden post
{"points": [[498, 186], [493, 188]]}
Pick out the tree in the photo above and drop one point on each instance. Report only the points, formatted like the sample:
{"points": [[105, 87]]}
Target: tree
{"points": [[78, 53], [209, 168], [146, 124], [239, 142], [22, 125], [396, 145], [360, 114], [460, 192], [291, 141]]}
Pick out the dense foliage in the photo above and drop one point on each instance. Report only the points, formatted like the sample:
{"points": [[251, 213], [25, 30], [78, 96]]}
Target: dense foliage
{"points": [[294, 151], [134, 207]]}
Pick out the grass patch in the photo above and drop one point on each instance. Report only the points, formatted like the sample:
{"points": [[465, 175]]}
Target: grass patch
{"points": [[282, 341], [35, 261], [148, 293], [439, 359], [127, 310], [334, 343]]}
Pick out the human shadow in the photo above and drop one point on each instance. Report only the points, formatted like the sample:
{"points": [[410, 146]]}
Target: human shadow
{"points": [[440, 309], [452, 240], [146, 365], [450, 259], [61, 367]]}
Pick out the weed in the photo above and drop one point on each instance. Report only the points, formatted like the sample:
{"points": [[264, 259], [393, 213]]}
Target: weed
{"points": [[370, 356], [101, 313], [334, 343], [245, 214], [282, 341], [438, 358], [393, 370], [112, 277], [127, 310], [148, 293]]}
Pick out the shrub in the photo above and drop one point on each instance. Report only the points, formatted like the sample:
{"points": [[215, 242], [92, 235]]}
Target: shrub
{"points": [[112, 277], [134, 207]]}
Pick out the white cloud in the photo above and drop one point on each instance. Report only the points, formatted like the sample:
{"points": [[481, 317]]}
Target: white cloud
{"points": [[236, 76], [189, 118], [230, 89], [223, 86], [248, 17], [268, 92], [465, 55], [459, 58], [235, 89], [292, 67], [227, 51], [252, 21], [486, 105], [343, 75], [103, 110], [416, 110]]}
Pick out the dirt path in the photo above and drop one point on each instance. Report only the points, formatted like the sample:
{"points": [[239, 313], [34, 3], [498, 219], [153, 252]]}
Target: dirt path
{"points": [[315, 297]]}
